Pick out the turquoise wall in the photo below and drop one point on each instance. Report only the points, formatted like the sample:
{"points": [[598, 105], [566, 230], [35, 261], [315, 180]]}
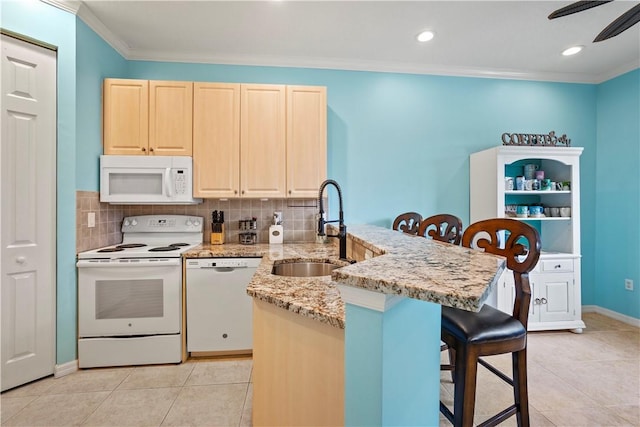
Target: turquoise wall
{"points": [[95, 61], [617, 175], [56, 27]]}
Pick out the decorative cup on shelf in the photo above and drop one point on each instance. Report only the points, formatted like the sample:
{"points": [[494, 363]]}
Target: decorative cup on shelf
{"points": [[535, 185], [565, 211], [530, 171], [547, 211], [558, 186], [555, 211], [546, 185], [522, 211], [519, 183], [540, 175], [566, 185], [528, 184], [510, 210], [508, 183], [536, 211]]}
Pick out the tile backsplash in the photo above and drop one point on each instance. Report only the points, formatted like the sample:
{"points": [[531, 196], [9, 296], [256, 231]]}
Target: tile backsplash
{"points": [[298, 218]]}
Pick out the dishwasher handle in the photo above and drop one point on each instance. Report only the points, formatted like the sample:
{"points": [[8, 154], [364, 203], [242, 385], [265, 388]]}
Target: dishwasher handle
{"points": [[222, 269]]}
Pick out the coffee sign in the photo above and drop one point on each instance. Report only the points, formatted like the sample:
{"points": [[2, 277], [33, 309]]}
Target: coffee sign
{"points": [[547, 140]]}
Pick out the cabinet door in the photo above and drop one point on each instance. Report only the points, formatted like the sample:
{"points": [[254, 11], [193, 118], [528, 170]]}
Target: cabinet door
{"points": [[216, 139], [306, 140], [262, 141], [125, 116], [555, 294], [170, 118]]}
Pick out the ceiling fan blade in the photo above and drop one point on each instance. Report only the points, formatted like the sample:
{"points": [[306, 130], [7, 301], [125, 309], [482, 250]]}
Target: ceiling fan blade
{"points": [[627, 20], [578, 6]]}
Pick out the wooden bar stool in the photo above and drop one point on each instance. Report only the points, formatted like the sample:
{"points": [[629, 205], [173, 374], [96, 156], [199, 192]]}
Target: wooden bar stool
{"points": [[470, 335], [408, 222], [442, 227]]}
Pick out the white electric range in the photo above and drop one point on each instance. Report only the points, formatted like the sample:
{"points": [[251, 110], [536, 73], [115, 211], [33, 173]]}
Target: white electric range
{"points": [[130, 295]]}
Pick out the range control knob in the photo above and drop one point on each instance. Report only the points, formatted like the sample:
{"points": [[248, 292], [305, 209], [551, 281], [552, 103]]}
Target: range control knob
{"points": [[126, 223], [188, 223], [134, 222], [196, 222]]}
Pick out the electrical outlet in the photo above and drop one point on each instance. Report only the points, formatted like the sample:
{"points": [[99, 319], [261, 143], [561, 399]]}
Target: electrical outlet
{"points": [[91, 219], [628, 284]]}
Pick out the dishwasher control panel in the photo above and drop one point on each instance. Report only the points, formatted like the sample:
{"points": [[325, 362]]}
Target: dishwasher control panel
{"points": [[223, 262]]}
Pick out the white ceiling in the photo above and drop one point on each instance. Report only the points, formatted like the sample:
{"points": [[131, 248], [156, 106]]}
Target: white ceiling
{"points": [[512, 39]]}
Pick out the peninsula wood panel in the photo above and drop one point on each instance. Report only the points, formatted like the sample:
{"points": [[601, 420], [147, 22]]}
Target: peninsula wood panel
{"points": [[125, 116], [306, 140], [216, 140], [170, 118], [262, 141], [298, 369]]}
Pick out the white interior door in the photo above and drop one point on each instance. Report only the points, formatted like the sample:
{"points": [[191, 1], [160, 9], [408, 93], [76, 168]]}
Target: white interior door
{"points": [[27, 217]]}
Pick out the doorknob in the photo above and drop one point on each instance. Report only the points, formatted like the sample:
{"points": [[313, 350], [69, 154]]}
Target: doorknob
{"points": [[20, 259]]}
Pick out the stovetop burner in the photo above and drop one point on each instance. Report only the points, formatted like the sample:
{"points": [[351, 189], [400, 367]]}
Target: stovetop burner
{"points": [[131, 245], [115, 249], [179, 244], [164, 249]]}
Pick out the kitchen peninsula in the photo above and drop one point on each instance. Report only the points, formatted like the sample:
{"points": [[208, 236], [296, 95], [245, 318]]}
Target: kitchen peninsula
{"points": [[310, 369]]}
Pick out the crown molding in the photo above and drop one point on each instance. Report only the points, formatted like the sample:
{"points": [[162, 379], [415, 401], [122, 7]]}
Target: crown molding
{"points": [[99, 28], [623, 69], [70, 6]]}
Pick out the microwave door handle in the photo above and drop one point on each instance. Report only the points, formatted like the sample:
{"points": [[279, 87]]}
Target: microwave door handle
{"points": [[167, 182]]}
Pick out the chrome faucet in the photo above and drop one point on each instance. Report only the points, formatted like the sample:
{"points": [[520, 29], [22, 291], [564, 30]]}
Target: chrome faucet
{"points": [[342, 230]]}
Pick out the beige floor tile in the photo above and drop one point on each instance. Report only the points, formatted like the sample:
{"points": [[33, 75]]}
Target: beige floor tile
{"points": [[157, 376], [608, 383], [35, 388], [208, 405], [564, 346], [9, 406], [145, 407], [88, 380], [548, 392], [630, 413], [597, 416], [58, 410], [247, 411], [598, 322], [626, 343], [220, 372]]}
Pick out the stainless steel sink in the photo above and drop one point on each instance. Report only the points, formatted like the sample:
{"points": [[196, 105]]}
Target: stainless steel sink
{"points": [[304, 269]]}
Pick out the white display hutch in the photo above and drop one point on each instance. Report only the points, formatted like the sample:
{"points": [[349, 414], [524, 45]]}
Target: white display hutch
{"points": [[555, 281]]}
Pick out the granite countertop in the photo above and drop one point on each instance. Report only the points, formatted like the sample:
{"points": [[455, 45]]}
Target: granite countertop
{"points": [[415, 267]]}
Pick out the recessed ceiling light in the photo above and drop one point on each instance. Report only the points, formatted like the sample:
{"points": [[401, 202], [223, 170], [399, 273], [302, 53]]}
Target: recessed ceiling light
{"points": [[572, 50], [425, 36]]}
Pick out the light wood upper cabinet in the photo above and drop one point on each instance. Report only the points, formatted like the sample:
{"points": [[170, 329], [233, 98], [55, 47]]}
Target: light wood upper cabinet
{"points": [[262, 141], [216, 140], [143, 117], [125, 116], [306, 140], [170, 118]]}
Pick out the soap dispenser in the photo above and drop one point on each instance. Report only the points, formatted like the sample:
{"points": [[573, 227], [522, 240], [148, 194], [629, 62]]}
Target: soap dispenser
{"points": [[276, 230]]}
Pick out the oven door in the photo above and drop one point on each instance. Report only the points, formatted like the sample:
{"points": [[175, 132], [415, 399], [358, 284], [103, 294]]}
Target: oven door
{"points": [[129, 297]]}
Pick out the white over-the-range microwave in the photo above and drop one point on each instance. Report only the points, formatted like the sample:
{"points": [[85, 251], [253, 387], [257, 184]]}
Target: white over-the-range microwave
{"points": [[147, 180]]}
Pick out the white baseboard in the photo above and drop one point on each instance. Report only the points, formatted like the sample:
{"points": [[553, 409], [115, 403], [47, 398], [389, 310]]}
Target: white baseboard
{"points": [[65, 369], [609, 313]]}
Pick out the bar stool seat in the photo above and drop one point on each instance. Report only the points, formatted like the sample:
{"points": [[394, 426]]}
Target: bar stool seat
{"points": [[486, 326]]}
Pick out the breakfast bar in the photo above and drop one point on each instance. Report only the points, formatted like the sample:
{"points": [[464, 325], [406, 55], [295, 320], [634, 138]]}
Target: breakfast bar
{"points": [[388, 303]]}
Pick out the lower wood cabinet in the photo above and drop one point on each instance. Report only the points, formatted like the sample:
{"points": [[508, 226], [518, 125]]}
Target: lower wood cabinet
{"points": [[298, 369]]}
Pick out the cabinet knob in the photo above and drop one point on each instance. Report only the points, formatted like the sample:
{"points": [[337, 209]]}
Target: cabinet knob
{"points": [[242, 191], [151, 149], [558, 266], [144, 149], [543, 300], [235, 191], [289, 191]]}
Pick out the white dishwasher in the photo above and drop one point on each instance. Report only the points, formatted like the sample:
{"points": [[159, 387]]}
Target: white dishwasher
{"points": [[219, 311]]}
